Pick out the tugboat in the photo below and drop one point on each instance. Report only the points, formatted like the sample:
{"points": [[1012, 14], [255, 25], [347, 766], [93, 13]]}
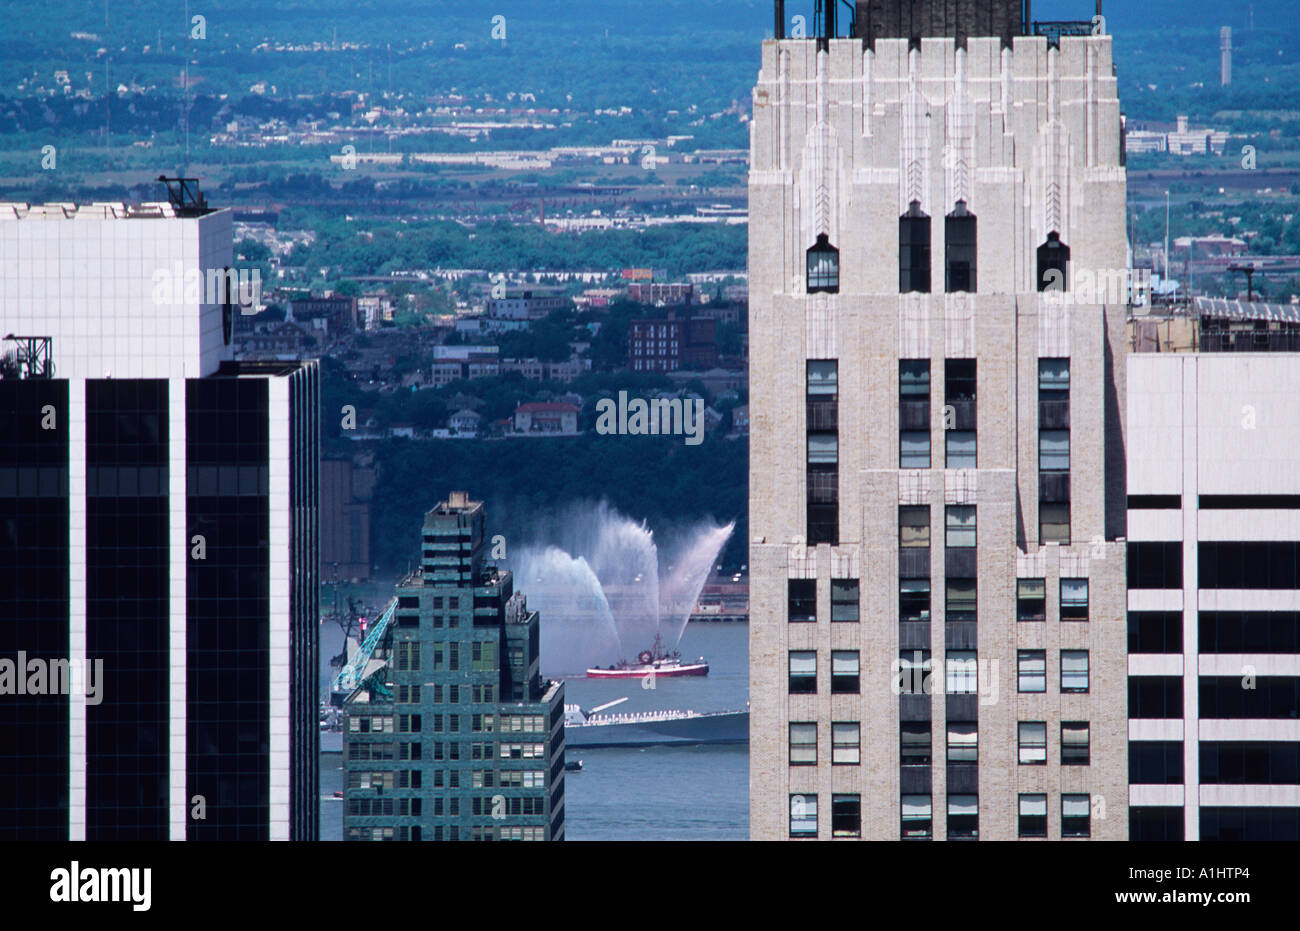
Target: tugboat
{"points": [[655, 661]]}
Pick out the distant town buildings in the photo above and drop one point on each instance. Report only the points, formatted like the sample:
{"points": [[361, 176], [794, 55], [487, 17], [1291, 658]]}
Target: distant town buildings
{"points": [[661, 293], [546, 419], [673, 342], [1182, 140]]}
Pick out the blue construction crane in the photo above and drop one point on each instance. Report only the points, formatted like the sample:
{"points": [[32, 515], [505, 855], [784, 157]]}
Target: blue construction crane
{"points": [[349, 677]]}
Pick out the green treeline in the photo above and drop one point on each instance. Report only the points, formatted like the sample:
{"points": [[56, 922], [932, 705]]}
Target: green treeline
{"points": [[659, 479]]}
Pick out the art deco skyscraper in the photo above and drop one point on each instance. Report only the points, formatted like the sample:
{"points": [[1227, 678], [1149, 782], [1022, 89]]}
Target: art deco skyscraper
{"points": [[937, 501]]}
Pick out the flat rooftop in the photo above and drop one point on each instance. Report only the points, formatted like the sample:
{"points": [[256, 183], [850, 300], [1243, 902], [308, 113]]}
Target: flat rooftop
{"points": [[150, 210]]}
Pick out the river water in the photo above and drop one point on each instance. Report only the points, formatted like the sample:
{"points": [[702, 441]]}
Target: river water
{"points": [[649, 793]]}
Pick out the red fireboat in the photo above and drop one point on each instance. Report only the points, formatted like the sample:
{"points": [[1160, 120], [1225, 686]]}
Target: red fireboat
{"points": [[654, 661]]}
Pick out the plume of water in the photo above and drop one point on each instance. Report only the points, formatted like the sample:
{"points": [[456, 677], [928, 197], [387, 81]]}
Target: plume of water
{"points": [[604, 588], [577, 629]]}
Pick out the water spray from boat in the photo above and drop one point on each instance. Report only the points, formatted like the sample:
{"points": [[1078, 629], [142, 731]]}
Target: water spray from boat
{"points": [[609, 595]]}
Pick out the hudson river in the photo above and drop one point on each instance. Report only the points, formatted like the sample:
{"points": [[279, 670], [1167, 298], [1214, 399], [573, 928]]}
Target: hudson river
{"points": [[651, 793]]}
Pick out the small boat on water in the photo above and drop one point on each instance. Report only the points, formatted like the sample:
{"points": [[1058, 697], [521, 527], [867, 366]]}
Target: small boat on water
{"points": [[656, 661], [573, 766]]}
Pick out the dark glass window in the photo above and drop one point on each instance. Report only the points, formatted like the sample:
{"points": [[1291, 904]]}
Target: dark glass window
{"points": [[1249, 632], [916, 817], [823, 266], [1155, 762], [802, 603], [914, 250], [959, 241], [1031, 599], [1156, 632], [1250, 824], [1262, 565], [1074, 743], [844, 600], [914, 414], [1074, 599], [963, 817], [803, 672], [823, 451], [1076, 815], [914, 743], [914, 526], [1033, 816], [846, 815], [1053, 264], [1156, 565], [1250, 762], [1271, 697], [845, 672], [1155, 823], [1156, 697], [914, 600]]}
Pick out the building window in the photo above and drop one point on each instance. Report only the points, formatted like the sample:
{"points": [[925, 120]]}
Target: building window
{"points": [[844, 672], [1053, 264], [1032, 739], [1031, 667], [803, 743], [823, 451], [1031, 599], [823, 379], [914, 449], [959, 449], [844, 600], [914, 526], [1054, 450], [845, 743], [1074, 599], [963, 817], [846, 816], [1076, 820], [959, 413], [914, 743], [1157, 564], [1074, 670], [916, 817], [962, 678], [1033, 816], [803, 816], [823, 266], [1054, 523], [803, 672], [914, 250], [963, 742], [802, 600], [960, 520], [960, 600], [914, 414], [1074, 743], [1162, 632], [959, 244], [914, 600], [914, 670]]}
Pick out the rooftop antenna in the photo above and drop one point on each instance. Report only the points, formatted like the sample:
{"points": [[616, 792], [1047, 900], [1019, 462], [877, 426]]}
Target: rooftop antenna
{"points": [[185, 197]]}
